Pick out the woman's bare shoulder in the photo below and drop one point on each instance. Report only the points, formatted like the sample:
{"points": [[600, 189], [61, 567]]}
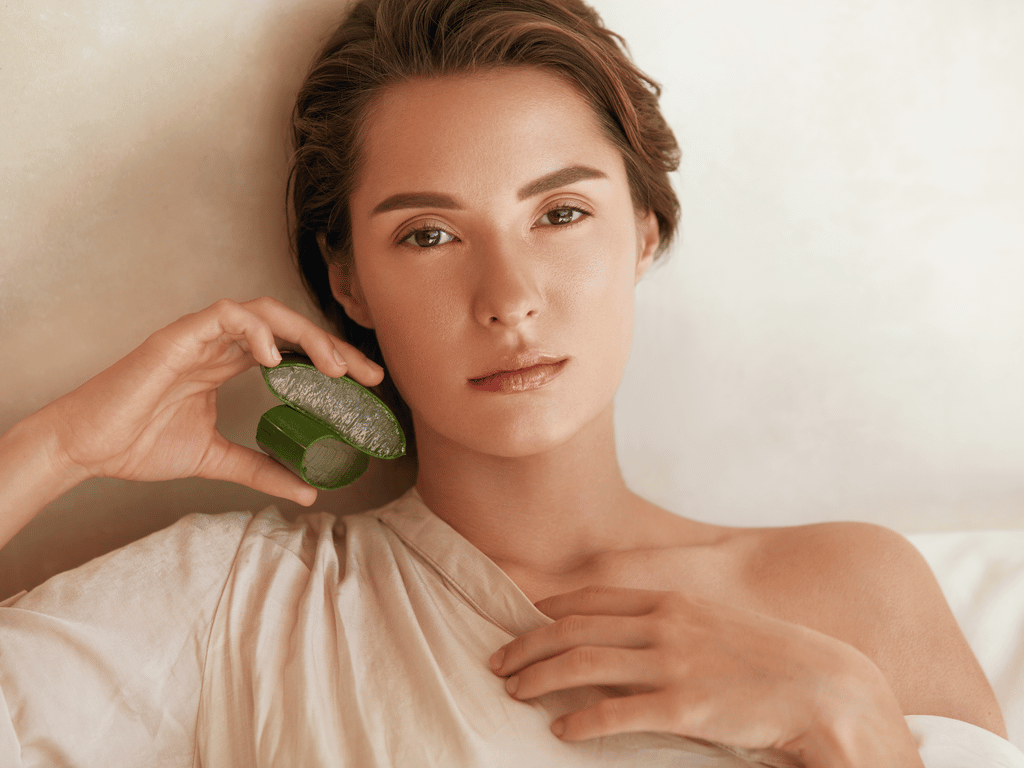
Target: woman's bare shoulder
{"points": [[868, 586]]}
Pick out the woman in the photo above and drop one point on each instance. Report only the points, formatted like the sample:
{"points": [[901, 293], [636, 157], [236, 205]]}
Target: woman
{"points": [[477, 188]]}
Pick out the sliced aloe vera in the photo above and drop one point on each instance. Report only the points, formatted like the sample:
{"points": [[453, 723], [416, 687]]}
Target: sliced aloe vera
{"points": [[357, 414], [310, 448]]}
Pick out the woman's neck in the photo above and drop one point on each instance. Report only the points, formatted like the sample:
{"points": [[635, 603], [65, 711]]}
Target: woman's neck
{"points": [[549, 513]]}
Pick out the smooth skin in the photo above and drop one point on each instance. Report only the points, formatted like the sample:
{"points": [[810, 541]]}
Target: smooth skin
{"points": [[812, 639]]}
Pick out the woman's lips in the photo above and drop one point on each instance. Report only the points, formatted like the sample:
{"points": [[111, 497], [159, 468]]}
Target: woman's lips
{"points": [[519, 380]]}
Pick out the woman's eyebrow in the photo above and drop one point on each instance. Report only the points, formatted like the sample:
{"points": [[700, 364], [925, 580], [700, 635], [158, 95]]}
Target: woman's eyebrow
{"points": [[560, 178], [416, 200], [553, 180]]}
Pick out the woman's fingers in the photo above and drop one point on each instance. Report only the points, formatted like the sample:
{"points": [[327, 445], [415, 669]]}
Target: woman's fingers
{"points": [[568, 632], [622, 714], [581, 666], [241, 323], [237, 464], [600, 599], [255, 325], [690, 666], [329, 354]]}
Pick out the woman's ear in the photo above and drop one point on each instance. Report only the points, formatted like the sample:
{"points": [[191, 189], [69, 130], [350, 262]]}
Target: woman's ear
{"points": [[345, 286], [648, 237]]}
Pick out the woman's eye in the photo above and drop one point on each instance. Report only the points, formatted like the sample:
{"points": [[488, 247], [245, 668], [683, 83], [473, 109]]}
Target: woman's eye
{"points": [[428, 238], [562, 216]]}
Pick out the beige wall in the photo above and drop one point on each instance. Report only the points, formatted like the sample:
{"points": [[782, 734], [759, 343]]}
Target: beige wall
{"points": [[846, 310], [839, 333]]}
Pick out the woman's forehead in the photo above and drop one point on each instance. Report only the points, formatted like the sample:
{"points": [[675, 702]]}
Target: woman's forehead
{"points": [[502, 127]]}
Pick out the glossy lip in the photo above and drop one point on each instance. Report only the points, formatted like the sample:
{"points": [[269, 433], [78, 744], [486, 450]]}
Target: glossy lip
{"points": [[521, 373]]}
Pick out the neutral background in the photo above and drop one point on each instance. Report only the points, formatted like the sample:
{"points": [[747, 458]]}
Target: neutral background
{"points": [[838, 334]]}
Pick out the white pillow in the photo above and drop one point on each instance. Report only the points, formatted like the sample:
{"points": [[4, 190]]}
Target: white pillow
{"points": [[982, 576]]}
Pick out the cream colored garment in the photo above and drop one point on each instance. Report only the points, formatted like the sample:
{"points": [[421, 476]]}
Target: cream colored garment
{"points": [[236, 640]]}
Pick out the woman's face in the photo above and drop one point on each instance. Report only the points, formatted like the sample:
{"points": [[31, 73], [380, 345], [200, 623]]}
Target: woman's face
{"points": [[493, 232]]}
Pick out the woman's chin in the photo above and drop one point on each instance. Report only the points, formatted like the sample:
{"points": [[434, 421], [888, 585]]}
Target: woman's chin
{"points": [[512, 437], [520, 446]]}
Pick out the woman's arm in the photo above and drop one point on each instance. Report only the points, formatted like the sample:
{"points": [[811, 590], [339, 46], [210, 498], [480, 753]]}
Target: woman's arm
{"points": [[31, 474], [152, 415]]}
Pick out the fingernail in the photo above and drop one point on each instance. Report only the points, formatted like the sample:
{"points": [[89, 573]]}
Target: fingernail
{"points": [[275, 355], [376, 367], [339, 359], [497, 658], [558, 728], [512, 684]]}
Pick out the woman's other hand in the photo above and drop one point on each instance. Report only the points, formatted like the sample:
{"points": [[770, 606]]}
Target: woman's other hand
{"points": [[705, 670], [152, 415]]}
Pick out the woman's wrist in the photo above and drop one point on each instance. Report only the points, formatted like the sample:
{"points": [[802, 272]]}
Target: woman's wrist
{"points": [[33, 471], [858, 723]]}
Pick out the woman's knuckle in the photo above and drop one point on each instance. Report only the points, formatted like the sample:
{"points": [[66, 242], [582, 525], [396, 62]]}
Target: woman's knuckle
{"points": [[268, 304], [582, 658], [568, 627], [325, 338], [596, 590], [222, 305]]}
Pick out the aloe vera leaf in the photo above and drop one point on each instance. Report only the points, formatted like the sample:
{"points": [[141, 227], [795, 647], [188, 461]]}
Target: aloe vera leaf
{"points": [[309, 448]]}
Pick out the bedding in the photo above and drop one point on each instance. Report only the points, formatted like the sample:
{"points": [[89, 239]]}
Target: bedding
{"points": [[982, 577]]}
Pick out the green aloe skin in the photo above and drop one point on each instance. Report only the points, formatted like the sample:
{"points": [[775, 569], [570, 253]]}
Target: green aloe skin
{"points": [[310, 448], [327, 427]]}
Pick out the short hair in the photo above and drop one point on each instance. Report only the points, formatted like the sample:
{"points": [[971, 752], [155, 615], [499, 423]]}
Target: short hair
{"points": [[384, 42]]}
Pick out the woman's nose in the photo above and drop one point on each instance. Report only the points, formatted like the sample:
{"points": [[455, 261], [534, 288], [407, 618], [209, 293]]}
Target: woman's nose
{"points": [[508, 292]]}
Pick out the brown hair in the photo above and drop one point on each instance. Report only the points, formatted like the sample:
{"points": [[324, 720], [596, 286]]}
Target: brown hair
{"points": [[383, 42]]}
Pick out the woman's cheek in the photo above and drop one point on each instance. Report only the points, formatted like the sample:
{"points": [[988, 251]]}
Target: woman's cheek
{"points": [[417, 344]]}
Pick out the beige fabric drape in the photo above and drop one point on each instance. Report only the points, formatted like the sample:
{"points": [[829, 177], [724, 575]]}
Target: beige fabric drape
{"points": [[235, 640]]}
